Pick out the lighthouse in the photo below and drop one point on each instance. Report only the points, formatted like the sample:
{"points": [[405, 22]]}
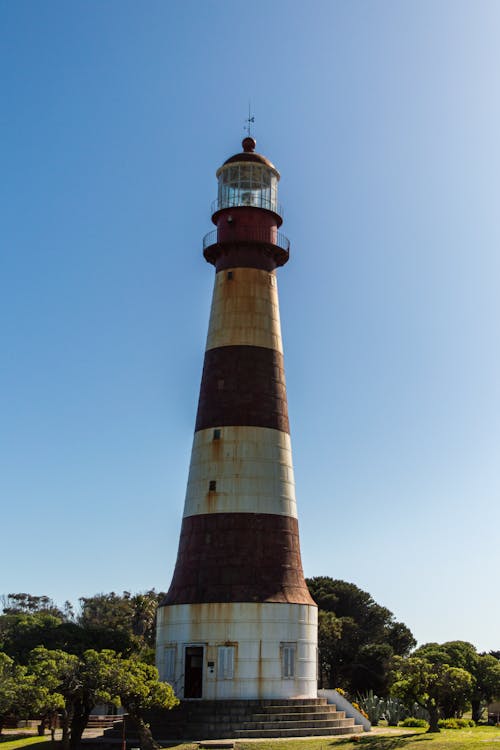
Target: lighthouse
{"points": [[238, 621]]}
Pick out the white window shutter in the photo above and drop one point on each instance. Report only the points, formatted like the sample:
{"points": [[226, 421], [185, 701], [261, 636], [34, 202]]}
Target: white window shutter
{"points": [[225, 666], [230, 663], [169, 664], [288, 660]]}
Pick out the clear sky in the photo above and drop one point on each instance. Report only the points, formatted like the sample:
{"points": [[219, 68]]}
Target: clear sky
{"points": [[384, 120]]}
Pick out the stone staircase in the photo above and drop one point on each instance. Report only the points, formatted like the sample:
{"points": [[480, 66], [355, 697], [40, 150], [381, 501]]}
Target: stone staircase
{"points": [[101, 721], [238, 719]]}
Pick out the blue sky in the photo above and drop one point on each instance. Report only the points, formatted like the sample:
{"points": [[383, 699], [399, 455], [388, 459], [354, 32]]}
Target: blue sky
{"points": [[383, 118]]}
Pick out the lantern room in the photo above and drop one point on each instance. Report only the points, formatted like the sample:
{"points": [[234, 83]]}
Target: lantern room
{"points": [[248, 179]]}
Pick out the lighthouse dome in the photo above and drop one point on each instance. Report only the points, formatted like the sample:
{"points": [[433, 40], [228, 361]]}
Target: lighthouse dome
{"points": [[249, 155]]}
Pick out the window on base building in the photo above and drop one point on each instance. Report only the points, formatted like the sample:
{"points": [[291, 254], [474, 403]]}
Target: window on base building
{"points": [[288, 660], [225, 662]]}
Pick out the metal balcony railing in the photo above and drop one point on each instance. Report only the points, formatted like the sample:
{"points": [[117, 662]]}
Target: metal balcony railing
{"points": [[247, 201], [250, 234]]}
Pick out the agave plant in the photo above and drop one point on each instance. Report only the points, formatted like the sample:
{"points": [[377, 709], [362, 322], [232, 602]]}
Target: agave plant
{"points": [[394, 711], [373, 705]]}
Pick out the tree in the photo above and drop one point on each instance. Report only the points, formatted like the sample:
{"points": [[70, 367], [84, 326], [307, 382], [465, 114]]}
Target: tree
{"points": [[329, 634], [16, 604], [20, 695], [455, 653], [107, 610], [372, 668], [430, 684], [487, 682], [81, 682], [140, 690], [400, 638], [124, 623], [357, 653], [21, 633], [145, 607], [484, 668], [99, 677], [10, 677], [133, 614]]}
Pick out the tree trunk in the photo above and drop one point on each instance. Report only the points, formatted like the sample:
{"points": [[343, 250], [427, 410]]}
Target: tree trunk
{"points": [[476, 710], [66, 730], [146, 739], [433, 717], [53, 721], [1, 725], [65, 735], [78, 724]]}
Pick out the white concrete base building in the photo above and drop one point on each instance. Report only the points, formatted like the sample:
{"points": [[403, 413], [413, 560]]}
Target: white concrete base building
{"points": [[243, 650]]}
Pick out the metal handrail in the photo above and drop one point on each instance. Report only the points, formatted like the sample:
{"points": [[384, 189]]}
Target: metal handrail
{"points": [[254, 202], [251, 234]]}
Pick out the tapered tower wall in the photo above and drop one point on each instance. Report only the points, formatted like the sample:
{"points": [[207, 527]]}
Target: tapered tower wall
{"points": [[238, 620]]}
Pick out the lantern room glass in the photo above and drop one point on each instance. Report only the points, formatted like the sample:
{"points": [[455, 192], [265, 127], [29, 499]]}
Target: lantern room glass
{"points": [[248, 184]]}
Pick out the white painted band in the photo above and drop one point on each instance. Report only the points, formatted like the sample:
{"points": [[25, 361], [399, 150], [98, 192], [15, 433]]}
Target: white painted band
{"points": [[252, 469], [245, 310]]}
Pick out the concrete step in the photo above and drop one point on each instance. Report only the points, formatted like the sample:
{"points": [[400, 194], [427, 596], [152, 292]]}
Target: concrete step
{"points": [[243, 702], [293, 702], [303, 708], [309, 732], [321, 713], [316, 723]]}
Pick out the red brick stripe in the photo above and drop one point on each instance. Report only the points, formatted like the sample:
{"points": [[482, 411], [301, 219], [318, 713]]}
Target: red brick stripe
{"points": [[243, 385], [238, 557]]}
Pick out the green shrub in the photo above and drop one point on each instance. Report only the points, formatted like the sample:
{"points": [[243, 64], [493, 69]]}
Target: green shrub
{"points": [[411, 721], [418, 712], [456, 723]]}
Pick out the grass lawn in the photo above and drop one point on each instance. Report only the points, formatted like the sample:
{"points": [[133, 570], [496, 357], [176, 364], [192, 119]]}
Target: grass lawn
{"points": [[478, 738], [34, 743]]}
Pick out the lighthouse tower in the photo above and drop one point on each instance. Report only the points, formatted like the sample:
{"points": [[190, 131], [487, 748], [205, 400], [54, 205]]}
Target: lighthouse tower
{"points": [[238, 621]]}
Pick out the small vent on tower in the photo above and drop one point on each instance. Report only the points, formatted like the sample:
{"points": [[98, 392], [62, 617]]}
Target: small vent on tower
{"points": [[220, 385], [216, 434], [229, 276], [212, 485]]}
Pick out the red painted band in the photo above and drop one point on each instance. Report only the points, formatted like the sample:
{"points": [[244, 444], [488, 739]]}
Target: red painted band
{"points": [[245, 255], [238, 557], [243, 386]]}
